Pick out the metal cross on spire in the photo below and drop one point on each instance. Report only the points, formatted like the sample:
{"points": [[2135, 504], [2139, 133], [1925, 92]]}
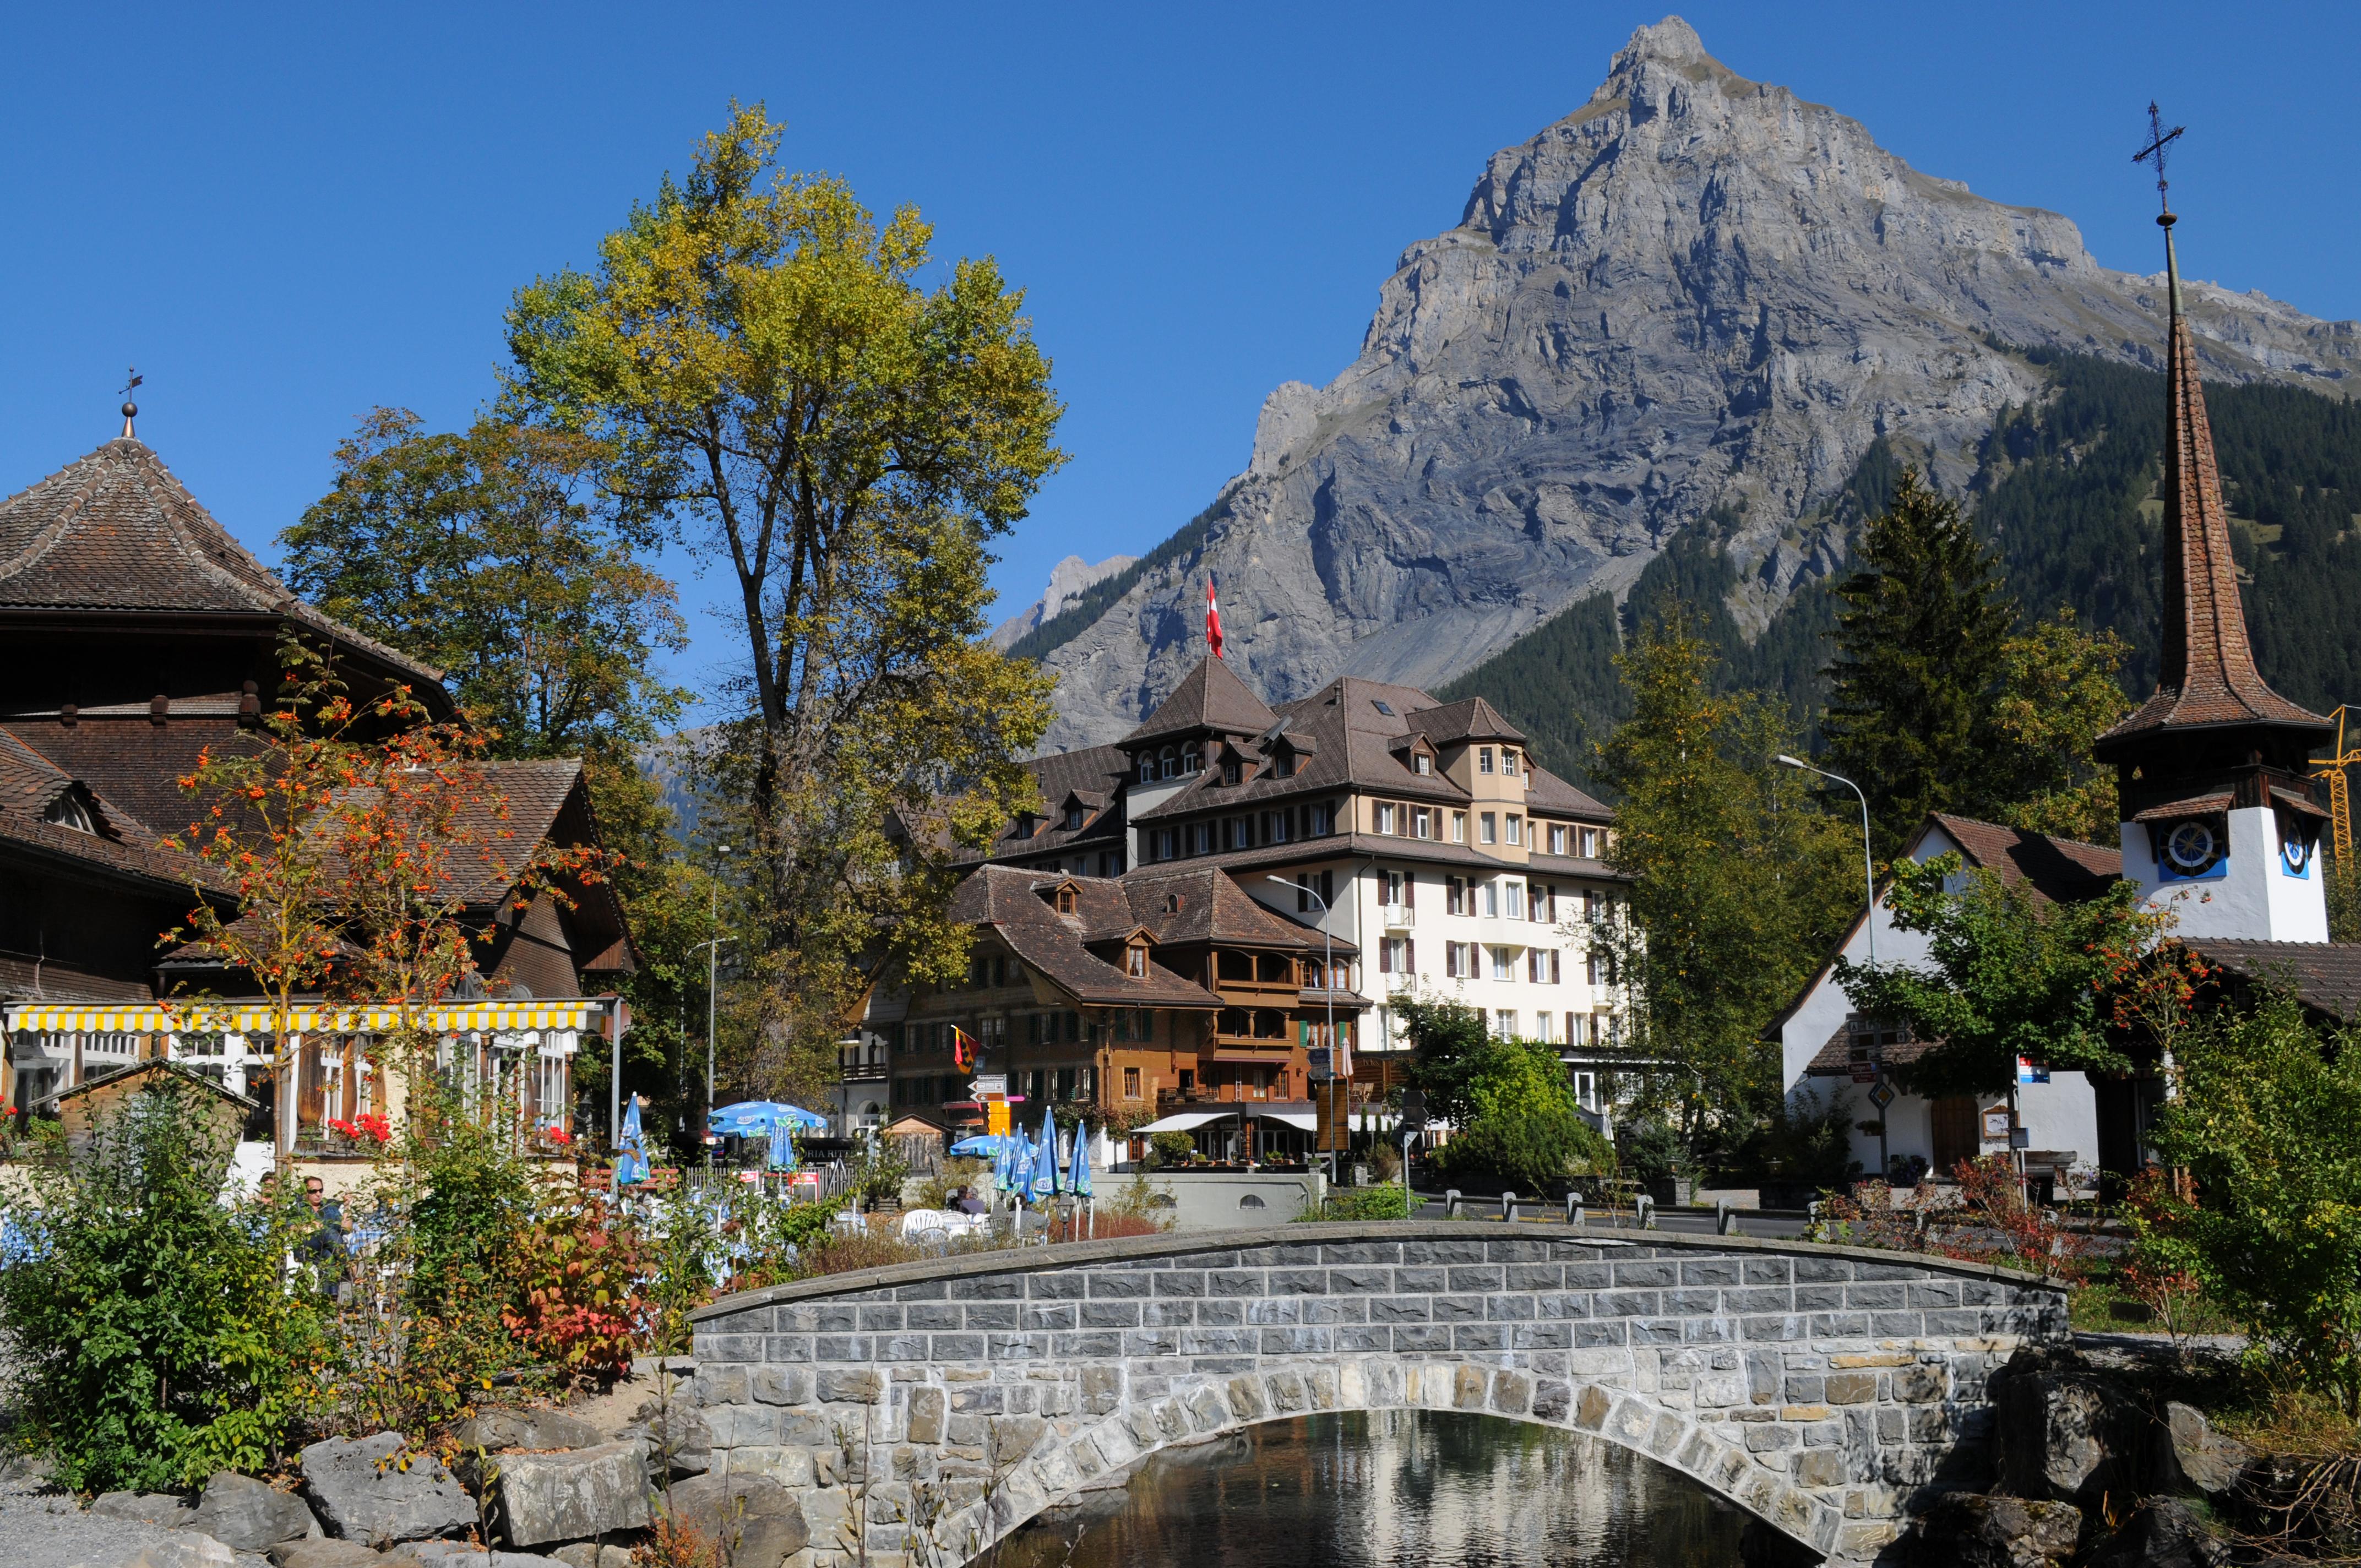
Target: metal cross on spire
{"points": [[2158, 139], [130, 409]]}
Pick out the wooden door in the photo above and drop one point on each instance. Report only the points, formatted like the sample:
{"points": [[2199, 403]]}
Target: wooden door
{"points": [[1953, 1122]]}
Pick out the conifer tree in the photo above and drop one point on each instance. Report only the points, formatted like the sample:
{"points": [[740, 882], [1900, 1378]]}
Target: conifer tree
{"points": [[1919, 647]]}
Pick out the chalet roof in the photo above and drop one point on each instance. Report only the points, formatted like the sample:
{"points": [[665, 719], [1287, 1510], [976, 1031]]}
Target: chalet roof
{"points": [[31, 783], [1010, 901], [2058, 870], [2208, 676], [2325, 976], [1210, 698], [1214, 908], [1469, 719], [114, 531]]}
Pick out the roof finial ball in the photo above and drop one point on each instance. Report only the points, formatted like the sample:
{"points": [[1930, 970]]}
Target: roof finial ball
{"points": [[130, 409]]}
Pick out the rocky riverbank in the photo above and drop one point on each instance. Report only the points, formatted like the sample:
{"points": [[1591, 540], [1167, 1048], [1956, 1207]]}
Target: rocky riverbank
{"points": [[534, 1488]]}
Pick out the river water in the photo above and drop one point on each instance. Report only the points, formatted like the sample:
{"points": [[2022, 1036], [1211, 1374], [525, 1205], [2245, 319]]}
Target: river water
{"points": [[1438, 1489]]}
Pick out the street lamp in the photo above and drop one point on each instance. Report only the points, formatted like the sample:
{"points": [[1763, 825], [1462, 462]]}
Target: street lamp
{"points": [[1869, 924], [1327, 984], [712, 976], [1868, 875]]}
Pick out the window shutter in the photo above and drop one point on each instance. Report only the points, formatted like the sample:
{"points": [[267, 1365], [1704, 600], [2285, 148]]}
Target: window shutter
{"points": [[1409, 890], [1556, 976], [1410, 955]]}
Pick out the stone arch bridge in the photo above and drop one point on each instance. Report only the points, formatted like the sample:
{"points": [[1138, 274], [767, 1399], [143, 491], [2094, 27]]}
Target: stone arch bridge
{"points": [[935, 1406]]}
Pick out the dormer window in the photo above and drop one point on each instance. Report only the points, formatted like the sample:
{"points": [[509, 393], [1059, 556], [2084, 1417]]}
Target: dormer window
{"points": [[1422, 765], [1172, 904], [1073, 819], [1134, 959], [1482, 759], [1192, 759], [1065, 900], [1283, 765], [1230, 771], [68, 811], [1147, 768]]}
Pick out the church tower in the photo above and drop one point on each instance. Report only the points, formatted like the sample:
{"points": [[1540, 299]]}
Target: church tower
{"points": [[2222, 822]]}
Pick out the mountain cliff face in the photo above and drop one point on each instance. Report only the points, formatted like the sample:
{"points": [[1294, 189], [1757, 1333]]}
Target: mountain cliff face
{"points": [[1069, 580], [1694, 293]]}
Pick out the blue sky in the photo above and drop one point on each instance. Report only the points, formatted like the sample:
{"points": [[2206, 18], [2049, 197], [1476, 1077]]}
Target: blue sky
{"points": [[284, 216]]}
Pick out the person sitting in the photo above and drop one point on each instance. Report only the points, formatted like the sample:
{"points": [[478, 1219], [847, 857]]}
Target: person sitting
{"points": [[967, 1202]]}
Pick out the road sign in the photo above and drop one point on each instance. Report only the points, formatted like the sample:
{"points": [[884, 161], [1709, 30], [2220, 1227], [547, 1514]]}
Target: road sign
{"points": [[989, 1083], [1320, 1059], [1882, 1096], [996, 1116], [1413, 1110], [1864, 1072]]}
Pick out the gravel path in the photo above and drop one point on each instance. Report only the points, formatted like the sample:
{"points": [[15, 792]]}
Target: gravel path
{"points": [[44, 1527]]}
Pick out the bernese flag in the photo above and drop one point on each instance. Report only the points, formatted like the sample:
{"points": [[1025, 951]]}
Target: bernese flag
{"points": [[963, 1047], [1213, 618]]}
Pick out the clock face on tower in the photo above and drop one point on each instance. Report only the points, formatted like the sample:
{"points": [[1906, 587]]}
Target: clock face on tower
{"points": [[2192, 847]]}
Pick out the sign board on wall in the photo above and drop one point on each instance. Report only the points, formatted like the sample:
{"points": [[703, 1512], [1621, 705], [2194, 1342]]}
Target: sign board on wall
{"points": [[996, 1116], [1997, 1126]]}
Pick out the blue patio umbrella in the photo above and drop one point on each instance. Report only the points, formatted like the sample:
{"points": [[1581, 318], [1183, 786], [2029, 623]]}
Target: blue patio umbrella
{"points": [[1044, 1182], [631, 1159], [986, 1144], [755, 1118], [1078, 1174]]}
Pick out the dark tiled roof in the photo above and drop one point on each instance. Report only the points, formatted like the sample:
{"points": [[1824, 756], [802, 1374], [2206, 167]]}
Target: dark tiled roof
{"points": [[1010, 901], [2063, 870], [1093, 777], [1469, 719], [31, 783], [1209, 697], [2194, 805], [115, 530], [1214, 908], [1834, 1059], [2325, 976], [2208, 676]]}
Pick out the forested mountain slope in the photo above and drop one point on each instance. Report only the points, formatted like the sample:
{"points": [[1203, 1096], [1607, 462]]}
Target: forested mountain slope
{"points": [[2065, 488]]}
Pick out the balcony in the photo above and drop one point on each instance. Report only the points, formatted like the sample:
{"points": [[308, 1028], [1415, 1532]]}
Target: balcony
{"points": [[1397, 916]]}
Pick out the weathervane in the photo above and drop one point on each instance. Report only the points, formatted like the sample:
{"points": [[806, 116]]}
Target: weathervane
{"points": [[2158, 139], [130, 409]]}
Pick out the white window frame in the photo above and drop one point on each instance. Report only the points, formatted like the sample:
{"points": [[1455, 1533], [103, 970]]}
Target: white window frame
{"points": [[1488, 829]]}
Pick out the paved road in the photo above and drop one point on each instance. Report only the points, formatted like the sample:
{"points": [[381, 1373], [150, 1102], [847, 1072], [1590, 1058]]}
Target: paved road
{"points": [[1700, 1222]]}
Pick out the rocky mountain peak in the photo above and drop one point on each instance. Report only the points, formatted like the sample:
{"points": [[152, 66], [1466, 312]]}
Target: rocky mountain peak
{"points": [[1695, 293]]}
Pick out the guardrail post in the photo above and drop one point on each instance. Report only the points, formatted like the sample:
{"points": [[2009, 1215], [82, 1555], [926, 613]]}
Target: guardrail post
{"points": [[1643, 1209], [1725, 1219], [1508, 1207], [1574, 1208], [1451, 1202]]}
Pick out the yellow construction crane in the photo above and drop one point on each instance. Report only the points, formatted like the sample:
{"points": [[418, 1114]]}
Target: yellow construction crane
{"points": [[2339, 810]]}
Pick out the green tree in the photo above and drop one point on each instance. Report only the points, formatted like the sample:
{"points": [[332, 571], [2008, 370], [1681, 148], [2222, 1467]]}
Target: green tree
{"points": [[2007, 974], [2059, 688], [759, 355], [152, 1338], [1738, 883], [2267, 1121], [1919, 643], [1445, 1039], [495, 557], [1521, 1125]]}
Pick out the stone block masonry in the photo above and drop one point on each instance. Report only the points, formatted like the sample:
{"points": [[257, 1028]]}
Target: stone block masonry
{"points": [[1824, 1389]]}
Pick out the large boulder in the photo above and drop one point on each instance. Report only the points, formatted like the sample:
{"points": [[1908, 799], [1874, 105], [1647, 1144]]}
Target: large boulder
{"points": [[755, 1520], [2166, 1533], [2191, 1456], [323, 1553], [569, 1496], [367, 1490], [535, 1430], [2065, 1436], [250, 1515], [148, 1507], [184, 1549], [679, 1439], [1968, 1529]]}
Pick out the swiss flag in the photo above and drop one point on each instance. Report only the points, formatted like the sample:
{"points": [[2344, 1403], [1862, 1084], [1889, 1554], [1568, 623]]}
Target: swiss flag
{"points": [[1213, 618]]}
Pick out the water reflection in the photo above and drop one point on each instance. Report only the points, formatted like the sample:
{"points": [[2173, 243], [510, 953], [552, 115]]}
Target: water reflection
{"points": [[1442, 1489]]}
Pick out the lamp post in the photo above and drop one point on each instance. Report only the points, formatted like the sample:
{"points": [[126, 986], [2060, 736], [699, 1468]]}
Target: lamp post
{"points": [[1869, 924], [712, 979], [1328, 985], [1867, 873]]}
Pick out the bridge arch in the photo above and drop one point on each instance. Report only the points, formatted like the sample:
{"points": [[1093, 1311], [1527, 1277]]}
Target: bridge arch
{"points": [[936, 1406]]}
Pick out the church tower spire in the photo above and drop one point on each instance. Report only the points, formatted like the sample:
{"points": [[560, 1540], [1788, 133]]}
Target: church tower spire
{"points": [[2220, 814]]}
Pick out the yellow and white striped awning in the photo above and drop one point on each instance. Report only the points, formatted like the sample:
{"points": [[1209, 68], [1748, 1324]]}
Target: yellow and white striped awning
{"points": [[247, 1018]]}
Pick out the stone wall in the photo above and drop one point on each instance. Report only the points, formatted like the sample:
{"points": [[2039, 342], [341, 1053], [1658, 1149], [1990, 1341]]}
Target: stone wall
{"points": [[1822, 1388]]}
